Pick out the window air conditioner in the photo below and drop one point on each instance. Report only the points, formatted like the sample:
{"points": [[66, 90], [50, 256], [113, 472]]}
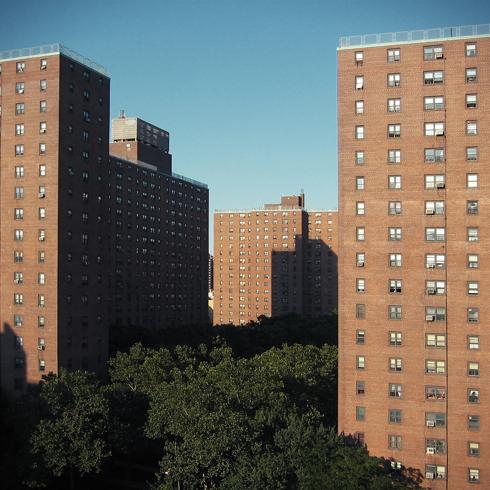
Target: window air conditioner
{"points": [[42, 194], [40, 347], [431, 450], [431, 291], [439, 56], [431, 423], [430, 318], [360, 264], [439, 132], [21, 91], [42, 131], [440, 185], [431, 266], [429, 476], [41, 238], [429, 211]]}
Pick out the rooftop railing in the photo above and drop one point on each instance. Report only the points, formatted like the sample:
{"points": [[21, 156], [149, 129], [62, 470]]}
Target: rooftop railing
{"points": [[414, 36], [55, 48]]}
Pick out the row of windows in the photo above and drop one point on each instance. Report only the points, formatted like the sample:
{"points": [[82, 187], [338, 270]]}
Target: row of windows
{"points": [[437, 181], [432, 313], [431, 103], [20, 86], [432, 261], [431, 155], [430, 207], [429, 78], [429, 53], [430, 129], [395, 286]]}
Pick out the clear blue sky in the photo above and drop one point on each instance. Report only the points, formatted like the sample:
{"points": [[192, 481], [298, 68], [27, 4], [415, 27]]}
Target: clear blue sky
{"points": [[246, 88]]}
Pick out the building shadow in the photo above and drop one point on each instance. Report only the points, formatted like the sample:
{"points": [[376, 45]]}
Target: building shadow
{"points": [[13, 361]]}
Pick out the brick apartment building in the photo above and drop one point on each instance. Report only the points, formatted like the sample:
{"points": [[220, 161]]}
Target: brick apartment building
{"points": [[272, 261], [86, 241], [414, 276]]}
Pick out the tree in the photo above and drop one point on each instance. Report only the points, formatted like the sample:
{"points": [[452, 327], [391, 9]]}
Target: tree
{"points": [[70, 437]]}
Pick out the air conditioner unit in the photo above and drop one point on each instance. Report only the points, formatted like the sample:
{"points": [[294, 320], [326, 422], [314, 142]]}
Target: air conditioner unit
{"points": [[431, 450], [21, 91], [439, 56], [41, 238], [429, 211], [360, 264], [440, 185], [439, 132], [41, 347], [431, 266], [431, 423], [429, 476], [42, 130], [431, 291], [16, 281], [430, 318], [42, 195]]}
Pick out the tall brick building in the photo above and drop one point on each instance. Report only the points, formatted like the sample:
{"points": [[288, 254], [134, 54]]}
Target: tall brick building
{"points": [[87, 240], [414, 226], [272, 261]]}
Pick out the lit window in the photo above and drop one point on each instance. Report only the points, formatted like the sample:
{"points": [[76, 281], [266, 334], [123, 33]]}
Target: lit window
{"points": [[473, 261], [361, 285], [19, 129], [18, 235], [359, 82], [473, 449], [41, 300], [360, 132], [393, 55], [395, 339], [19, 171], [473, 369], [42, 148], [435, 340], [435, 181], [473, 288], [41, 278], [473, 342], [434, 129], [359, 57], [18, 299], [19, 150], [42, 213], [360, 362], [42, 170], [18, 213], [435, 287], [394, 79], [43, 126], [433, 52], [359, 107], [43, 64]]}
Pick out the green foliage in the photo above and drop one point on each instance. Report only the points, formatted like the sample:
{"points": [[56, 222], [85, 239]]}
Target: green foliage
{"points": [[71, 434]]}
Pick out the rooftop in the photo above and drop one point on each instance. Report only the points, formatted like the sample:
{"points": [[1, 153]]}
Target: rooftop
{"points": [[421, 35], [51, 49]]}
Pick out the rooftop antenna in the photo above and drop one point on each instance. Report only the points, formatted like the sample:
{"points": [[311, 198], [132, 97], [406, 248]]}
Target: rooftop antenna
{"points": [[122, 114]]}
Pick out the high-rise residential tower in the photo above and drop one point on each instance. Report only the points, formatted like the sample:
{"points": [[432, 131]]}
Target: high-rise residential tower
{"points": [[272, 261], [54, 140], [414, 273]]}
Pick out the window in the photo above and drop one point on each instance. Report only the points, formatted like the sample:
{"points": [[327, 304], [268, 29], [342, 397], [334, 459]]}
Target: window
{"points": [[471, 101], [360, 183], [473, 395], [43, 85], [395, 364], [360, 362], [18, 256], [41, 235], [435, 393], [19, 171], [360, 233], [18, 299], [434, 207], [19, 129], [434, 103], [43, 64], [394, 234], [359, 158], [360, 336], [42, 148], [433, 77], [394, 130], [393, 55], [43, 106], [435, 367], [435, 340], [43, 126], [42, 170], [473, 475], [395, 339], [435, 287], [434, 129], [359, 82], [395, 390], [473, 315], [394, 182], [41, 257], [470, 49], [41, 301], [433, 52], [432, 155], [19, 192], [473, 288], [473, 422], [20, 67], [395, 260], [18, 320], [360, 259], [360, 311], [394, 156], [394, 105], [435, 419], [472, 234], [18, 277], [473, 369], [19, 150], [394, 79], [472, 207], [360, 132], [41, 278], [394, 442], [471, 75], [474, 449], [435, 313], [18, 213], [473, 261], [19, 108], [395, 312], [41, 321], [360, 208], [471, 128], [394, 208], [360, 413], [435, 234], [435, 182], [435, 472], [473, 342], [360, 387], [42, 213], [433, 261], [435, 446], [359, 107], [472, 154], [360, 285], [359, 57], [18, 235], [395, 416]]}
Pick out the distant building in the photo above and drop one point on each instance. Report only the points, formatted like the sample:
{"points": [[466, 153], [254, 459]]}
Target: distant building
{"points": [[275, 260]]}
